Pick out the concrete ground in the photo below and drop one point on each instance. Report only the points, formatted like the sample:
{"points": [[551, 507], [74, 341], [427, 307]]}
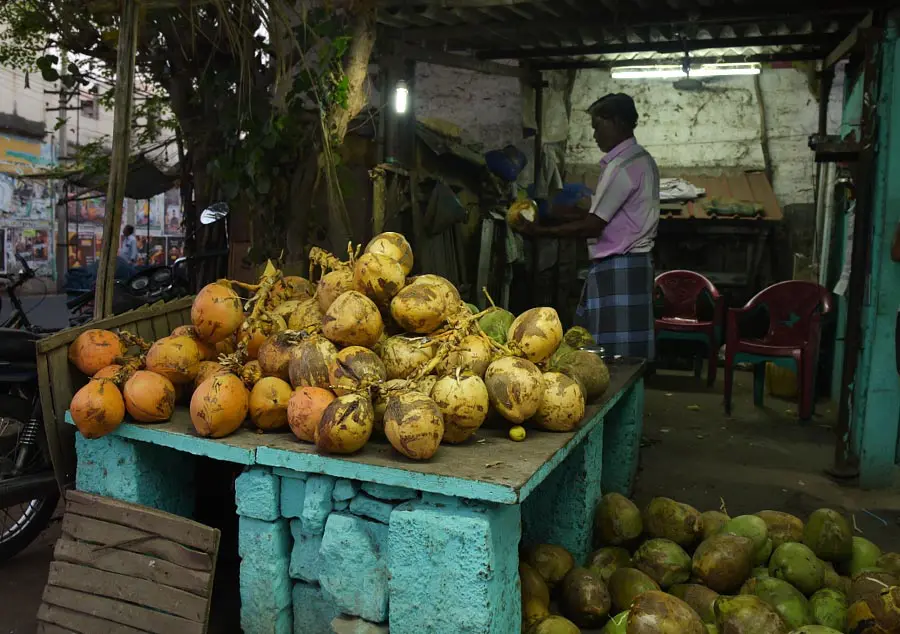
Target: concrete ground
{"points": [[757, 459]]}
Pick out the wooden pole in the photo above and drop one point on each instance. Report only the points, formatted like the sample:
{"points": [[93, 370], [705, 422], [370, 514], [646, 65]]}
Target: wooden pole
{"points": [[118, 161]]}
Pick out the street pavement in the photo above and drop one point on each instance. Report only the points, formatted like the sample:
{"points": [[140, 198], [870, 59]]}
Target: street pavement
{"points": [[46, 311]]}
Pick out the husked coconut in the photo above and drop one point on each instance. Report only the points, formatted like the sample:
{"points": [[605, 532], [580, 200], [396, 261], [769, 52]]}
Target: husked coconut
{"points": [[515, 387], [537, 333], [353, 320], [310, 363], [419, 307], [463, 401], [346, 425], [413, 425], [355, 368], [562, 403], [394, 246], [378, 277], [333, 285], [402, 356]]}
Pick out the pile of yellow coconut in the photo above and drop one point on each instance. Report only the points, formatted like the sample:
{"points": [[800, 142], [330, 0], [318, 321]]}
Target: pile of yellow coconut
{"points": [[363, 349]]}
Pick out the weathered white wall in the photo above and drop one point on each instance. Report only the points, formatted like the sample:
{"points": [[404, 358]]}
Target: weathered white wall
{"points": [[718, 127]]}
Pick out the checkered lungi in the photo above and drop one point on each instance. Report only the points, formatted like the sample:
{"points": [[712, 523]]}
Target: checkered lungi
{"points": [[617, 305]]}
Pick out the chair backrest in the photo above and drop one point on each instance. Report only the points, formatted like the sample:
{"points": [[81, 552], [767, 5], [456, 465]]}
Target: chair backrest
{"points": [[679, 291], [793, 307]]}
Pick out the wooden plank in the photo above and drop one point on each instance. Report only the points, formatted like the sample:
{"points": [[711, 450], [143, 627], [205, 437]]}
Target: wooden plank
{"points": [[62, 453], [124, 538], [849, 43], [62, 390], [81, 623], [65, 337], [125, 588], [433, 56], [175, 319], [133, 564], [160, 327], [50, 628], [178, 529], [119, 612], [145, 330]]}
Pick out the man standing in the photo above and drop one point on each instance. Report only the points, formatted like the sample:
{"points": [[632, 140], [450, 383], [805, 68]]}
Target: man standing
{"points": [[128, 250], [617, 300]]}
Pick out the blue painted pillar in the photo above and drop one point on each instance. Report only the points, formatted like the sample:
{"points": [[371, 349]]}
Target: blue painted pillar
{"points": [[454, 567], [876, 406], [622, 430], [136, 472]]}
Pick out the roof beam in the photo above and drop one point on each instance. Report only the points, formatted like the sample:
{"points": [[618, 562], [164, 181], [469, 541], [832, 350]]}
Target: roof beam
{"points": [[636, 19], [672, 46], [848, 43], [792, 56], [440, 58], [448, 4]]}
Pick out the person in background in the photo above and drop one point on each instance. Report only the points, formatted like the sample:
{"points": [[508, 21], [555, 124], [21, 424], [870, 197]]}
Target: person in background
{"points": [[128, 250], [620, 227]]}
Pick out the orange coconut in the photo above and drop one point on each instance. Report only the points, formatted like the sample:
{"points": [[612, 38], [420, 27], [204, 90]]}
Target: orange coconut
{"points": [[305, 409], [95, 349], [97, 408], [176, 358], [208, 369], [110, 372], [219, 406], [269, 402], [216, 312], [149, 397], [207, 350]]}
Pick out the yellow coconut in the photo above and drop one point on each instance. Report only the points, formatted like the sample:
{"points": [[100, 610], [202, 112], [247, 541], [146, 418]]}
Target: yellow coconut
{"points": [[537, 333], [346, 425], [515, 387], [97, 408], [269, 402], [562, 404], [521, 212], [305, 409], [176, 358], [355, 368], [402, 356], [394, 246], [310, 362], [207, 350], [452, 301], [208, 369], [473, 354], [463, 402], [219, 406], [378, 277], [353, 320], [149, 397], [419, 307], [95, 349], [333, 285], [216, 312], [275, 354], [306, 315], [291, 287], [413, 425]]}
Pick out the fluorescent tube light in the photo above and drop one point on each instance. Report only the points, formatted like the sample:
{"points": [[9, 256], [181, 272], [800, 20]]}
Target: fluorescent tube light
{"points": [[677, 72]]}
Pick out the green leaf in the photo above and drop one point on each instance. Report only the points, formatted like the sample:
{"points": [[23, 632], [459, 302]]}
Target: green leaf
{"points": [[49, 74]]}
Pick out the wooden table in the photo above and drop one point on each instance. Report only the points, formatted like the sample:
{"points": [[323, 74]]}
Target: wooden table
{"points": [[493, 491]]}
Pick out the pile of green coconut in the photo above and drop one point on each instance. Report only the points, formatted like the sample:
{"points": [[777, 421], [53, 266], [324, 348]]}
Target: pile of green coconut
{"points": [[675, 570]]}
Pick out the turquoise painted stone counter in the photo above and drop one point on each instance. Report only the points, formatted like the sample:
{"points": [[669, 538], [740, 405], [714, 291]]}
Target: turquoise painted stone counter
{"points": [[444, 532]]}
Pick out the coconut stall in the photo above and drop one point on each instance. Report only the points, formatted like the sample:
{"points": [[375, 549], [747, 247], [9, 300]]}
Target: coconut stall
{"points": [[398, 445]]}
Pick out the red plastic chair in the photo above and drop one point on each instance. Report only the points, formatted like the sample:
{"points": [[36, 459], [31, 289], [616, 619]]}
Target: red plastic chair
{"points": [[679, 292], [795, 317]]}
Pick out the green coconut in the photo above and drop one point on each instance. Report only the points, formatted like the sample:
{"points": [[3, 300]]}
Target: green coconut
{"points": [[713, 521], [700, 598], [799, 566], [587, 368], [865, 555], [833, 580], [617, 521], [578, 337], [554, 625], [815, 629], [617, 624], [656, 612], [627, 583], [760, 572], [755, 529], [607, 560], [787, 600], [723, 562], [495, 324], [783, 527], [561, 351], [472, 308], [829, 608], [664, 561], [550, 561], [829, 535], [584, 598], [668, 519], [748, 614]]}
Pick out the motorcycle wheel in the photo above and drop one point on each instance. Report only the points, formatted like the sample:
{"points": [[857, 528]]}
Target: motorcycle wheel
{"points": [[20, 524]]}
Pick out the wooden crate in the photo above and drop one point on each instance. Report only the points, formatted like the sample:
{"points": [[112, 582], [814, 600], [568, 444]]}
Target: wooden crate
{"points": [[124, 568], [59, 380]]}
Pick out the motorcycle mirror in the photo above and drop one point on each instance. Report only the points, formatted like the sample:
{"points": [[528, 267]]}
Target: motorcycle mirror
{"points": [[214, 213]]}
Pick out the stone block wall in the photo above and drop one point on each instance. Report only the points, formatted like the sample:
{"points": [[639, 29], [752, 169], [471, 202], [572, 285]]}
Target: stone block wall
{"points": [[323, 554]]}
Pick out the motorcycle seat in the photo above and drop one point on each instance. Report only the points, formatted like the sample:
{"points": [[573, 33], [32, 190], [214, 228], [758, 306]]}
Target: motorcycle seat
{"points": [[17, 345]]}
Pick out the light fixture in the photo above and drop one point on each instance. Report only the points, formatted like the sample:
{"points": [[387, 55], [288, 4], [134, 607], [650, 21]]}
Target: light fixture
{"points": [[401, 97], [673, 71]]}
